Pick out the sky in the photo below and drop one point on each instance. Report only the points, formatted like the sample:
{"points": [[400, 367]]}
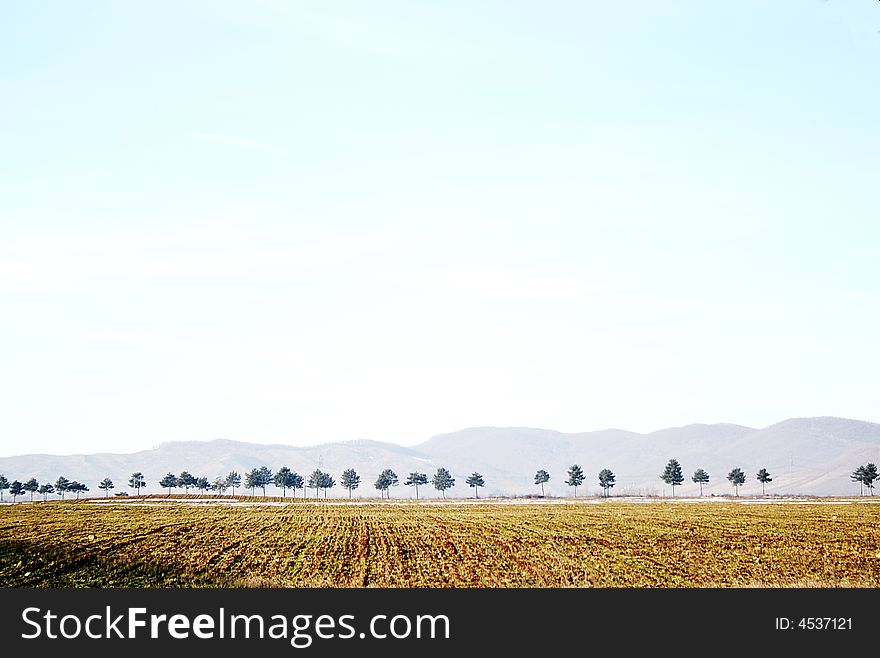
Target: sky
{"points": [[300, 222]]}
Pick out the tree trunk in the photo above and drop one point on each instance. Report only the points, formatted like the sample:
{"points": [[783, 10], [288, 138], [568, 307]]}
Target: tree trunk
{"points": [[542, 490]]}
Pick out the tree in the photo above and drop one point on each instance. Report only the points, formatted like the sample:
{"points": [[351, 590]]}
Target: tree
{"points": [[284, 480], [31, 486], [186, 480], [16, 489], [541, 477], [415, 479], [701, 477], [858, 475], [4, 485], [77, 487], [297, 481], [737, 478], [106, 485], [475, 480], [233, 480], [62, 484], [202, 484], [442, 481], [219, 485], [46, 489], [327, 482], [316, 480], [672, 475], [869, 476], [385, 481], [575, 477], [764, 477], [606, 480], [252, 480], [137, 481], [264, 478], [169, 482], [350, 480]]}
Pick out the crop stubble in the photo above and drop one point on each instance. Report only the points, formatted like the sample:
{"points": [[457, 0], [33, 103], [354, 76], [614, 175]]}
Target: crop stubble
{"points": [[613, 544]]}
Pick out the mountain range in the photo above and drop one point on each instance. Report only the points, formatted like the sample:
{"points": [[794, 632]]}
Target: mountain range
{"points": [[805, 456]]}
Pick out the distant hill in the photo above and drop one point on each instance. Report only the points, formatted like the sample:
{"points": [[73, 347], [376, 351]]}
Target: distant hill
{"points": [[805, 456]]}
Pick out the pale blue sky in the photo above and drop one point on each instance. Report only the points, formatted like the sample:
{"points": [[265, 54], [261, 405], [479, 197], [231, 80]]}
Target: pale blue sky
{"points": [[300, 222]]}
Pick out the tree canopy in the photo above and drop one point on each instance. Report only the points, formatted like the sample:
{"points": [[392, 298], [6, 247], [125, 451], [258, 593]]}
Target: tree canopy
{"points": [[350, 480], [737, 478], [700, 477], [414, 480], [386, 479], [442, 481], [672, 474], [606, 480], [137, 481], [541, 477], [475, 480], [575, 477], [106, 485]]}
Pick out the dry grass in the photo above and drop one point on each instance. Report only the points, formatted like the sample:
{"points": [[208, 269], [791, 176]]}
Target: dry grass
{"points": [[613, 544]]}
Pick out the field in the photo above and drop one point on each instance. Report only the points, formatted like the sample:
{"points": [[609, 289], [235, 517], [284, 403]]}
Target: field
{"points": [[168, 543]]}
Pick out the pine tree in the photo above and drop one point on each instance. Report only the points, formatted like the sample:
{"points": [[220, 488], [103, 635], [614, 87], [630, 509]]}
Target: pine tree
{"points": [[4, 485], [869, 476], [137, 481], [106, 485], [316, 480], [415, 479], [233, 480], [62, 485], [264, 478], [858, 475], [701, 477], [350, 480], [202, 484], [46, 489], [168, 482], [606, 480], [327, 482], [297, 482], [541, 477], [16, 489], [737, 478], [283, 480], [186, 480], [475, 481], [672, 475], [764, 477], [219, 485], [442, 481], [252, 480], [575, 477], [386, 479], [77, 488], [31, 486]]}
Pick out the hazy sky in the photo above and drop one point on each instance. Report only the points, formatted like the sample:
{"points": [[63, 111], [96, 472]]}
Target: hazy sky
{"points": [[300, 222]]}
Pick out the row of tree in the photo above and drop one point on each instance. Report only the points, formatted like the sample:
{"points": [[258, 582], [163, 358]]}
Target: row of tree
{"points": [[285, 478], [672, 476], [62, 486]]}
